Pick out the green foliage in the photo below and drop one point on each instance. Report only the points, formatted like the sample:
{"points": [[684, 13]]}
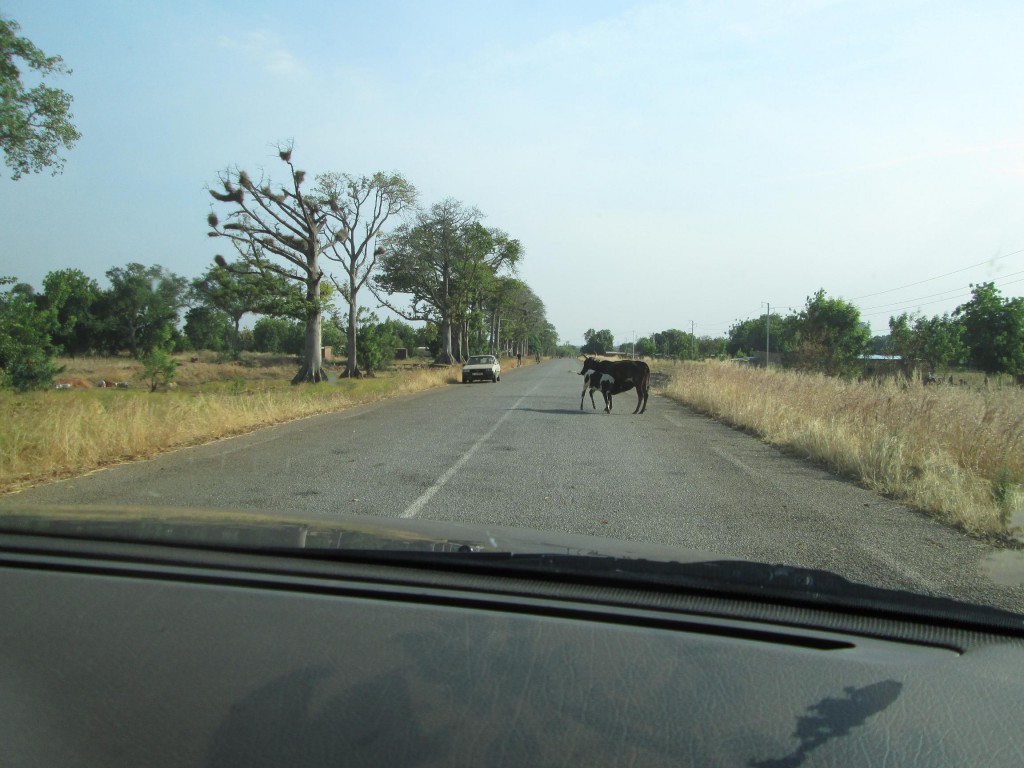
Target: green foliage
{"points": [[938, 341], [209, 328], [645, 347], [376, 343], [73, 296], [159, 368], [34, 123], [831, 336], [597, 342], [26, 351], [673, 343], [332, 334], [279, 336], [752, 335], [141, 307], [993, 330], [445, 261]]}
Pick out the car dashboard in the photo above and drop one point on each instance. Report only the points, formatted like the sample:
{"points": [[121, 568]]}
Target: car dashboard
{"points": [[125, 653]]}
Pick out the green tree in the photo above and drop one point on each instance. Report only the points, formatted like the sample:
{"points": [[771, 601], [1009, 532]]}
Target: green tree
{"points": [[903, 340], [237, 290], [141, 307], [597, 342], [377, 341], [210, 328], [279, 336], [26, 351], [72, 296], [993, 330], [831, 336], [34, 123], [939, 341], [751, 336], [159, 368], [645, 347], [437, 260]]}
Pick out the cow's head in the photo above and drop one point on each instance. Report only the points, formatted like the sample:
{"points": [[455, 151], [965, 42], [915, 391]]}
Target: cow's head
{"points": [[588, 365]]}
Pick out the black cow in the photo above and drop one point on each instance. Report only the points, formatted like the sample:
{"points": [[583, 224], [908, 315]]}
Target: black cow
{"points": [[625, 375]]}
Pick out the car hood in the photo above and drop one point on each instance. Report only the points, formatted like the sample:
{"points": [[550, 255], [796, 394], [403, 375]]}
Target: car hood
{"points": [[262, 530]]}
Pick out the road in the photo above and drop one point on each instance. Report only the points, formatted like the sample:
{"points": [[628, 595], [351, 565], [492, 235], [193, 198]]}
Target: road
{"points": [[521, 453]]}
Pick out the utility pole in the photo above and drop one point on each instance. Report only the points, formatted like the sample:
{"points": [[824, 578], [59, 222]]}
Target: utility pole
{"points": [[693, 343], [767, 335]]}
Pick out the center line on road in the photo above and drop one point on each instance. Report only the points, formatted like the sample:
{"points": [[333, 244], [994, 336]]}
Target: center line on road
{"points": [[413, 509]]}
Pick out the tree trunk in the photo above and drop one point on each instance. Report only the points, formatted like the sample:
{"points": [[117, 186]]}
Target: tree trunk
{"points": [[312, 370], [445, 358], [351, 363]]}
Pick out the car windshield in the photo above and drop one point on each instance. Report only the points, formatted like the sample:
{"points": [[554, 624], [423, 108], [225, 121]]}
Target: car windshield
{"points": [[753, 273]]}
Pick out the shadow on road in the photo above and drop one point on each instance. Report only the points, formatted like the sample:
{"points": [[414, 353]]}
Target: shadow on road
{"points": [[547, 410]]}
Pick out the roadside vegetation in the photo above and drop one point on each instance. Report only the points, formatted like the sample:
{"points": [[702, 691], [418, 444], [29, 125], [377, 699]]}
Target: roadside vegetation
{"points": [[956, 452], [48, 435]]}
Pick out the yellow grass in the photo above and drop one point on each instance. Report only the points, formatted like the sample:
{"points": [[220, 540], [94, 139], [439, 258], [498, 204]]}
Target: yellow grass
{"points": [[48, 435], [953, 451]]}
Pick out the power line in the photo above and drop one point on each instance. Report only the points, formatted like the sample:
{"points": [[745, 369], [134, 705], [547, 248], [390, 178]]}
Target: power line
{"points": [[964, 292], [941, 293], [938, 277]]}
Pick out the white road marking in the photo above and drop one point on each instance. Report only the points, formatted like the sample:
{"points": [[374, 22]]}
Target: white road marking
{"points": [[414, 509]]}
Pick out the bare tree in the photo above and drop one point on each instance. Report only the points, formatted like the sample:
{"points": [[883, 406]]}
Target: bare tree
{"points": [[357, 209], [282, 232]]}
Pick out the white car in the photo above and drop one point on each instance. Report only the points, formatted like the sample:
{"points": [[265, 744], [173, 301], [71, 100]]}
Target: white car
{"points": [[482, 367]]}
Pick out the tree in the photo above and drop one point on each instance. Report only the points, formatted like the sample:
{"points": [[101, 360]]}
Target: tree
{"points": [[751, 336], [26, 351], [141, 307], [279, 336], [210, 328], [72, 296], [283, 233], [235, 290], [359, 208], [831, 337], [36, 123], [437, 260], [597, 342], [158, 367], [993, 330], [645, 347], [377, 341]]}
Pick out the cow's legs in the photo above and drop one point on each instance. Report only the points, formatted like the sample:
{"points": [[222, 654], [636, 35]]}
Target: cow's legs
{"points": [[641, 398]]}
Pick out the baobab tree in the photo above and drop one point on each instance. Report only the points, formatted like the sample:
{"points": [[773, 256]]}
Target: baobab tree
{"points": [[436, 260], [280, 231], [357, 210]]}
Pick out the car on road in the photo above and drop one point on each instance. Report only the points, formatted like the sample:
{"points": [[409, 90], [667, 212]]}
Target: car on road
{"points": [[481, 368]]}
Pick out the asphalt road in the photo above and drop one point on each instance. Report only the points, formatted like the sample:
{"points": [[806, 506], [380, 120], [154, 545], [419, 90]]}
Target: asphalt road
{"points": [[521, 453]]}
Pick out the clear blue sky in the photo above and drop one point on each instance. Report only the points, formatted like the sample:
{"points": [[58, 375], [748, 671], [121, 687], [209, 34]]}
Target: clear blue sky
{"points": [[662, 163]]}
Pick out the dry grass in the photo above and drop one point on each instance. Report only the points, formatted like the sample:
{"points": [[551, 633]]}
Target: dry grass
{"points": [[956, 452], [49, 435]]}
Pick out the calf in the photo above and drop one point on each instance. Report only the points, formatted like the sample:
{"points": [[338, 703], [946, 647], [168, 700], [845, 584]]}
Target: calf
{"points": [[624, 375], [594, 380]]}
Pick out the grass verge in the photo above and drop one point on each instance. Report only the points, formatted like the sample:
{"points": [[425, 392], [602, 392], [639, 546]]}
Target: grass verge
{"points": [[51, 435], [955, 452]]}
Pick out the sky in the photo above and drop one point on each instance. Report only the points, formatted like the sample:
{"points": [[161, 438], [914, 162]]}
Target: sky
{"points": [[664, 164]]}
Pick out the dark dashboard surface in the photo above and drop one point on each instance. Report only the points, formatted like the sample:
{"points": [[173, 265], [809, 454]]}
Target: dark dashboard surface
{"points": [[117, 659]]}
